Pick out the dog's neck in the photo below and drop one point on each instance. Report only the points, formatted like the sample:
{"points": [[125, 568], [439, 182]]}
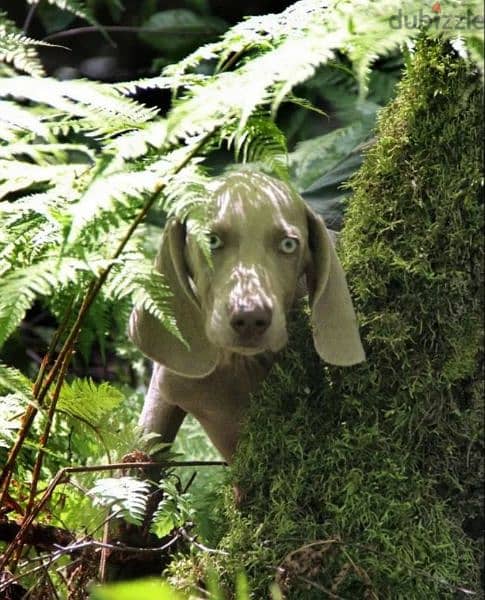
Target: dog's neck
{"points": [[238, 363]]}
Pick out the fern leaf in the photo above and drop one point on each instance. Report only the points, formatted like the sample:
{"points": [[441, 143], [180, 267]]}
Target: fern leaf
{"points": [[107, 192], [45, 154], [17, 49], [83, 399], [104, 110], [147, 287], [134, 144], [13, 380], [16, 175], [12, 407], [173, 511], [263, 143], [21, 119], [125, 496], [161, 82], [22, 286]]}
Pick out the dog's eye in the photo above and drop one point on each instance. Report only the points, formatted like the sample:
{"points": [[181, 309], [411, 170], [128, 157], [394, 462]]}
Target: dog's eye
{"points": [[215, 241], [288, 245]]}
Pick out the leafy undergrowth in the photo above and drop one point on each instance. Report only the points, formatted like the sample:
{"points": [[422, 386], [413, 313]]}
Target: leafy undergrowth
{"points": [[356, 481]]}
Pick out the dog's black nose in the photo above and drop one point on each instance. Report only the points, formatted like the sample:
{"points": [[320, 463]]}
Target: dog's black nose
{"points": [[251, 323]]}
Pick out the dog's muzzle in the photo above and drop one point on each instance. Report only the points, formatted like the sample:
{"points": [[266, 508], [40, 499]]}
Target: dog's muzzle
{"points": [[250, 323]]}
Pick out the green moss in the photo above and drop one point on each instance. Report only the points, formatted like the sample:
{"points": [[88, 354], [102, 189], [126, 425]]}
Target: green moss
{"points": [[357, 480]]}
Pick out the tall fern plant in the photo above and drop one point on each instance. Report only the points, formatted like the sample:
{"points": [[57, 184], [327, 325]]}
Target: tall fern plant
{"points": [[82, 163]]}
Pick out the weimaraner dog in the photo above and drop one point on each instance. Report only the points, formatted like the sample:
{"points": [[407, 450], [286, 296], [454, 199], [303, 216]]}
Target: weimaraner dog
{"points": [[266, 247]]}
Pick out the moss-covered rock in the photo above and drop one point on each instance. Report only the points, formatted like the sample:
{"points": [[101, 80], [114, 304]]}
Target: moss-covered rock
{"points": [[357, 480]]}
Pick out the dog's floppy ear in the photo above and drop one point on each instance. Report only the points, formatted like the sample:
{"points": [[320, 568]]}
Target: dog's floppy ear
{"points": [[156, 341], [335, 330]]}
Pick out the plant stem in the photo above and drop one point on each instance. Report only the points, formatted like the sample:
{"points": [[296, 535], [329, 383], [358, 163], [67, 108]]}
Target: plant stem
{"points": [[61, 363], [32, 409]]}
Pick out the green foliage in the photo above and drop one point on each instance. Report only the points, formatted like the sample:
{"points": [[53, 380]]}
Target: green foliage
{"points": [[174, 510], [125, 496], [17, 49], [359, 480], [88, 403], [74, 201], [178, 31], [151, 589], [81, 165]]}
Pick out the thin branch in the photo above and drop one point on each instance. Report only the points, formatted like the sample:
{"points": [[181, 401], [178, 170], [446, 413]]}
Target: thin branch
{"points": [[29, 17], [63, 475], [319, 587], [32, 409], [193, 540], [75, 31], [76, 547], [45, 435]]}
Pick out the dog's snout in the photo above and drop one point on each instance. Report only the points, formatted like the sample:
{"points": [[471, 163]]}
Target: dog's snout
{"points": [[251, 323]]}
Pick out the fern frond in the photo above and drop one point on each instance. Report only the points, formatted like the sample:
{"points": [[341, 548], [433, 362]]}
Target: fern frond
{"points": [[17, 175], [13, 380], [18, 49], [21, 119], [12, 407], [186, 198], [261, 142], [147, 287], [105, 111], [22, 286], [161, 82], [125, 496], [87, 401], [45, 154], [108, 192], [174, 510], [134, 144], [289, 47]]}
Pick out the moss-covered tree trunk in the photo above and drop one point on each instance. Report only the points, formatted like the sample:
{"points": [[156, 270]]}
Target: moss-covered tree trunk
{"points": [[358, 480]]}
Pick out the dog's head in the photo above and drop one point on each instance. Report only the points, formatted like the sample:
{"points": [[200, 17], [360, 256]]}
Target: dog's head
{"points": [[265, 243]]}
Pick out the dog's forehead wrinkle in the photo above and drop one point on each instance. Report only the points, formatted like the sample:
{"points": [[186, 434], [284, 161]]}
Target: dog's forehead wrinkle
{"points": [[239, 192]]}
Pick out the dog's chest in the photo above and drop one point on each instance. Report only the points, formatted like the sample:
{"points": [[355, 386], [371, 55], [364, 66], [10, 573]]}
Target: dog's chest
{"points": [[222, 395]]}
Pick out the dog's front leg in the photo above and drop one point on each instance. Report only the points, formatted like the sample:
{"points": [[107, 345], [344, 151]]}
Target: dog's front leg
{"points": [[159, 415]]}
